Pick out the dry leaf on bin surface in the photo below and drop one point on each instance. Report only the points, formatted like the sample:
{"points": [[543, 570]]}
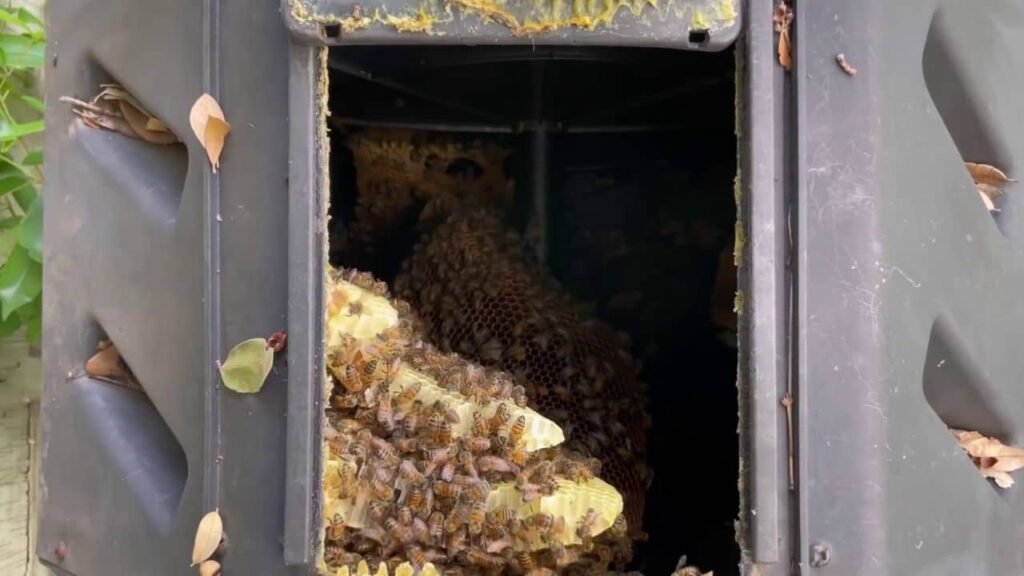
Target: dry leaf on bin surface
{"points": [[782, 16], [117, 110], [107, 364], [247, 366], [209, 568], [278, 341], [994, 459], [210, 127], [208, 536], [988, 181]]}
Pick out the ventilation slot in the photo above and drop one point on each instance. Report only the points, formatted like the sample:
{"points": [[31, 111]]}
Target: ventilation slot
{"points": [[956, 388], [151, 173], [966, 92], [133, 435]]}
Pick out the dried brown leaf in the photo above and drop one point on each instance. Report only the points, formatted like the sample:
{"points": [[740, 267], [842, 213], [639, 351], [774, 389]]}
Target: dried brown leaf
{"points": [[210, 127], [138, 120], [278, 341], [154, 124], [987, 201], [208, 536], [994, 459], [782, 17], [108, 365], [987, 174], [209, 568], [785, 57], [216, 131], [993, 192]]}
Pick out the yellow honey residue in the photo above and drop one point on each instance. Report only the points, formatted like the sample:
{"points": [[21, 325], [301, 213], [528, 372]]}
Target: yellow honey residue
{"points": [[532, 17]]}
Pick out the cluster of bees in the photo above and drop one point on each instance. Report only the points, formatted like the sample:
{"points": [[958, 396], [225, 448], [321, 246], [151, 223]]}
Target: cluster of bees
{"points": [[396, 171], [449, 469], [480, 295]]}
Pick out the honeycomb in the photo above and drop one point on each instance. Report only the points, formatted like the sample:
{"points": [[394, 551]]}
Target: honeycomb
{"points": [[480, 296], [436, 465], [400, 171]]}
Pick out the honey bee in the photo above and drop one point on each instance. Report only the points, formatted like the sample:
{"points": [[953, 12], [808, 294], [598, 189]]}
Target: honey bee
{"points": [[378, 510], [385, 417], [368, 370], [412, 418], [337, 556], [518, 456], [406, 445], [585, 528], [515, 433], [519, 396], [484, 560], [420, 530], [448, 490], [465, 458], [436, 525], [345, 401], [355, 308], [349, 378], [478, 491], [619, 527], [478, 444], [385, 450], [494, 464], [381, 491], [542, 520], [524, 559], [440, 429], [416, 556], [448, 412], [476, 518], [335, 529], [500, 417], [436, 457], [455, 543], [415, 500], [397, 531], [409, 393], [480, 428]]}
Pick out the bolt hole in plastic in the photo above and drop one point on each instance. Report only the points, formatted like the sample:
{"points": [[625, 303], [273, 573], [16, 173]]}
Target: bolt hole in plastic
{"points": [[699, 37], [332, 31]]}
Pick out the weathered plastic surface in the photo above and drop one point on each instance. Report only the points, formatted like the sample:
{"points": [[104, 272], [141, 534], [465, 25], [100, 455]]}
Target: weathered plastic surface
{"points": [[906, 305], [176, 264], [679, 24]]}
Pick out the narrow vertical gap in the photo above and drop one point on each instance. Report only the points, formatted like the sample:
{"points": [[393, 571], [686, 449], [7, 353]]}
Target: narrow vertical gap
{"points": [[211, 267]]}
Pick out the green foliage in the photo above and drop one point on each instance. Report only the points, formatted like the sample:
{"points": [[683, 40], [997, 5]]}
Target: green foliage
{"points": [[22, 53]]}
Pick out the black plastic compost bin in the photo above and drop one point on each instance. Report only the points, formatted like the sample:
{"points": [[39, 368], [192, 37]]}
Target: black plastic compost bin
{"points": [[875, 288]]}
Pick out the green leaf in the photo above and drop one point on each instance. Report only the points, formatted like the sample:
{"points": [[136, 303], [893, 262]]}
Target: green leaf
{"points": [[30, 235], [25, 196], [12, 180], [22, 51], [247, 365], [12, 19], [33, 158], [11, 132], [8, 326], [32, 102], [31, 19], [8, 240], [21, 280]]}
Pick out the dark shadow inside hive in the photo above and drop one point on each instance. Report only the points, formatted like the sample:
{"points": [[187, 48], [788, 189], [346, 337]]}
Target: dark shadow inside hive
{"points": [[616, 166]]}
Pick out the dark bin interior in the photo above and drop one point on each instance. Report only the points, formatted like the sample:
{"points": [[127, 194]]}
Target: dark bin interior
{"points": [[630, 155]]}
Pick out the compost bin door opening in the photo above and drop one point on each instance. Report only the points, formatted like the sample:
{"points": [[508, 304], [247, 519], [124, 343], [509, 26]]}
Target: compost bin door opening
{"points": [[565, 215]]}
